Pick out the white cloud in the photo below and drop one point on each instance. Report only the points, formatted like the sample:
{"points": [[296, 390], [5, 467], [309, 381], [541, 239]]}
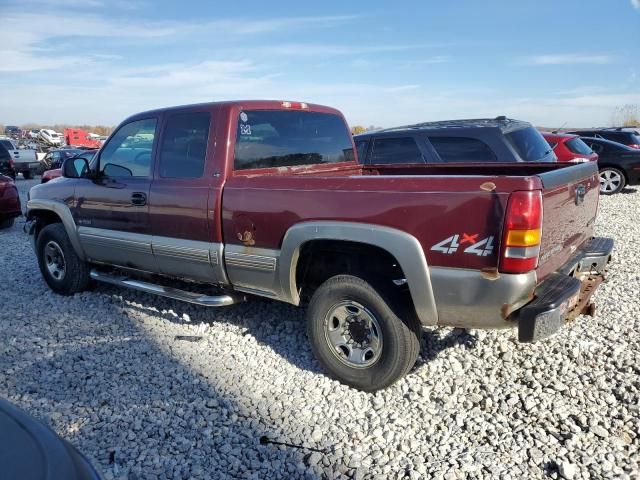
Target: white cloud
{"points": [[565, 59], [635, 4]]}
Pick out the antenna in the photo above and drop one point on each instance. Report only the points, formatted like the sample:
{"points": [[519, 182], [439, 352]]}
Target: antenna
{"points": [[561, 126]]}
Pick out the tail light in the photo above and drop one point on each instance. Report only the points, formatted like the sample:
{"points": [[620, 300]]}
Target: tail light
{"points": [[635, 145], [11, 164], [522, 232]]}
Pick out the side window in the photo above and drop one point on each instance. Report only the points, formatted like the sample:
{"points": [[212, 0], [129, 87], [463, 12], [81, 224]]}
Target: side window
{"points": [[462, 149], [184, 145], [361, 147], [128, 152], [596, 147], [395, 150]]}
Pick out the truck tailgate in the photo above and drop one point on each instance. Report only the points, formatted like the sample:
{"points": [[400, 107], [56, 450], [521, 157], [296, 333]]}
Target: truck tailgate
{"points": [[570, 202]]}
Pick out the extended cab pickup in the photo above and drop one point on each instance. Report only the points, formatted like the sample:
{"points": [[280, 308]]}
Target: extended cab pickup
{"points": [[267, 198], [25, 160]]}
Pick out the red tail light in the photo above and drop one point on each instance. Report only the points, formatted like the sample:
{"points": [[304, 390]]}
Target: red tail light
{"points": [[11, 164], [635, 145], [522, 232]]}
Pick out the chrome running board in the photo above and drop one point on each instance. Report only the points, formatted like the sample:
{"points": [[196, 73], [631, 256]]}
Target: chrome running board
{"points": [[176, 294]]}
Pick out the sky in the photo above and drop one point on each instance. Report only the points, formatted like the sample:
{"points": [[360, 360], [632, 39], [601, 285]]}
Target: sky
{"points": [[382, 63]]}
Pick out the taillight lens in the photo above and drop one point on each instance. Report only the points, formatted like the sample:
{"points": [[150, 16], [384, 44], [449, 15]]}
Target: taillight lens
{"points": [[522, 232], [635, 145]]}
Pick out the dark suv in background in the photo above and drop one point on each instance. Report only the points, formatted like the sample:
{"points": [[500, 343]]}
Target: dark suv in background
{"points": [[626, 136], [498, 139]]}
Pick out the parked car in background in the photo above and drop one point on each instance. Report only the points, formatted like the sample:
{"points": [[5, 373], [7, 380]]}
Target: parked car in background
{"points": [[32, 451], [455, 141], [57, 172], [12, 131], [627, 136], [6, 163], [51, 137], [619, 164], [569, 147], [265, 198], [25, 160], [9, 202], [33, 133], [54, 158]]}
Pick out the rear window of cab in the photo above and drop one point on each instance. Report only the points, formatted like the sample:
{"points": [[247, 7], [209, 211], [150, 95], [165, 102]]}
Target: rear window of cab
{"points": [[282, 138]]}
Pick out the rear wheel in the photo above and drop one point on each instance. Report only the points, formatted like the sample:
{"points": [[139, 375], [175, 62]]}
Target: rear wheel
{"points": [[357, 336], [612, 180], [62, 269]]}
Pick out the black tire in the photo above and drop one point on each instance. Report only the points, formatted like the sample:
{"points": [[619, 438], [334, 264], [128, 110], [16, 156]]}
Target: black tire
{"points": [[6, 223], [400, 338], [76, 272], [612, 180], [27, 175]]}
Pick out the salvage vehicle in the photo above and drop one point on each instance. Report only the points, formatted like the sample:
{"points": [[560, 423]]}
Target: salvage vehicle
{"points": [[12, 131], [10, 207], [6, 163], [50, 137], [626, 135], [56, 172], [569, 148], [25, 160], [619, 165], [482, 140], [266, 198]]}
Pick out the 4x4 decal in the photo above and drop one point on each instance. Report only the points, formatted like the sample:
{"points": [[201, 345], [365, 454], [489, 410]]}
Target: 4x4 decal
{"points": [[450, 245]]}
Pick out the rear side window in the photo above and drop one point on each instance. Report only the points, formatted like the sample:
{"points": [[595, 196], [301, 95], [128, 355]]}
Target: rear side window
{"points": [[6, 144], [361, 147], [184, 145], [282, 138], [576, 145], [530, 145], [462, 150], [395, 150], [4, 153]]}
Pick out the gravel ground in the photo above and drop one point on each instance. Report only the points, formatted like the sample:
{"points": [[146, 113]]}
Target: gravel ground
{"points": [[106, 371]]}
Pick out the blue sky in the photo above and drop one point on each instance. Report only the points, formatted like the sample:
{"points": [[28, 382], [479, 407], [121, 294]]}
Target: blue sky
{"points": [[97, 61]]}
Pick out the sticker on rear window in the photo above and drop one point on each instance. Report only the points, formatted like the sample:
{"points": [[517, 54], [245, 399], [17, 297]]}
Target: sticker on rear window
{"points": [[245, 129]]}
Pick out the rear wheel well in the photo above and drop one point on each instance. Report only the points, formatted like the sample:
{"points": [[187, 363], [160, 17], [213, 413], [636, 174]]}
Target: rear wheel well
{"points": [[320, 260]]}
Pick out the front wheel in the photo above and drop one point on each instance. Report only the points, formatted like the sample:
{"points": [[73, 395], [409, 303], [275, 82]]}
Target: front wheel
{"points": [[357, 336], [611, 181], [62, 269], [6, 223]]}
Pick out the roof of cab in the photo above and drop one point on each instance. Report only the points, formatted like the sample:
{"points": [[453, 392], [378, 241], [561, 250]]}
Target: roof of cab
{"points": [[245, 105]]}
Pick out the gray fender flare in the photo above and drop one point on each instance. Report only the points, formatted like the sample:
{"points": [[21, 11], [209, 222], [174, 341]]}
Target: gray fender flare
{"points": [[61, 210], [404, 247]]}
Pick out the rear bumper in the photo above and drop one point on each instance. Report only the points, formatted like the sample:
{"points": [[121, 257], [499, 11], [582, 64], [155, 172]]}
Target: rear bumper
{"points": [[565, 294]]}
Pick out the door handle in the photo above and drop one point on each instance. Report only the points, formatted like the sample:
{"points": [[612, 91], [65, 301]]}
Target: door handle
{"points": [[138, 198]]}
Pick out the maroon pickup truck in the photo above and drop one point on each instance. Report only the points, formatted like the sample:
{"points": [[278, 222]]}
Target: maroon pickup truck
{"points": [[266, 198]]}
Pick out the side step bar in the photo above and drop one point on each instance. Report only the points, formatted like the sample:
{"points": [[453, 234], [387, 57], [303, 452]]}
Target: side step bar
{"points": [[176, 294]]}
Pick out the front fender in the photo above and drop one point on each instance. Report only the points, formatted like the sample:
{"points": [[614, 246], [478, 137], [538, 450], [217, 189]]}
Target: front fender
{"points": [[62, 211]]}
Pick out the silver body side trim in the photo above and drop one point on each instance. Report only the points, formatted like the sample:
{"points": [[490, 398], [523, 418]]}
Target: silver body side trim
{"points": [[254, 270], [192, 259], [63, 211], [404, 247], [118, 248], [467, 299]]}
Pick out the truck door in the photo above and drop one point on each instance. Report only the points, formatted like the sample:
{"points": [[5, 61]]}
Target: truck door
{"points": [[112, 212], [184, 228]]}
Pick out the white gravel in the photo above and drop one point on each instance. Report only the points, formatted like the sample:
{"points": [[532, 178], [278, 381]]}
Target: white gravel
{"points": [[105, 370]]}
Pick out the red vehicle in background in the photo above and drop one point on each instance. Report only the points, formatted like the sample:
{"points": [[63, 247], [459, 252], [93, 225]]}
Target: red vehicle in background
{"points": [[569, 147], [9, 202], [76, 137]]}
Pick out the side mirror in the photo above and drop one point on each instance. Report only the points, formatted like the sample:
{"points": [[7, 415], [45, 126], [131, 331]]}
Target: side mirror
{"points": [[75, 168]]}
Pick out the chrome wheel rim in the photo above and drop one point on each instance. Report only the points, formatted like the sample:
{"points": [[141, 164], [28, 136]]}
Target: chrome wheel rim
{"points": [[54, 260], [353, 334], [610, 181]]}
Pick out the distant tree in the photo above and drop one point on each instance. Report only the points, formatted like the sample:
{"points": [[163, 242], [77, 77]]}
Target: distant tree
{"points": [[626, 116], [372, 127], [358, 129]]}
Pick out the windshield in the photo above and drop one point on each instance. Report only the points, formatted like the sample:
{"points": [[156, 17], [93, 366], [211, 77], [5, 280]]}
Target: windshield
{"points": [[530, 145], [576, 145]]}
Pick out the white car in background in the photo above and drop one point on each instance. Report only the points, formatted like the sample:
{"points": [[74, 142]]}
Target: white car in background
{"points": [[51, 137]]}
